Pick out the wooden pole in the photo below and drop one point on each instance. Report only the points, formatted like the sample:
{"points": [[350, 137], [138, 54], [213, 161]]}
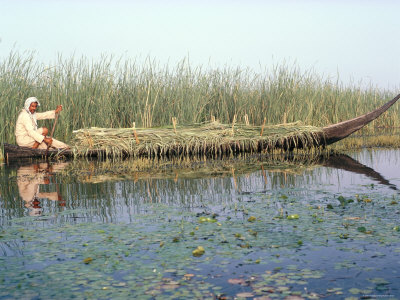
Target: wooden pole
{"points": [[262, 127], [246, 119], [52, 133], [134, 133], [233, 124], [174, 123]]}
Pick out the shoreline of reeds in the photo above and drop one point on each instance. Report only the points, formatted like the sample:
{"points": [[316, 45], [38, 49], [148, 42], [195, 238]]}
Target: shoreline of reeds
{"points": [[115, 93]]}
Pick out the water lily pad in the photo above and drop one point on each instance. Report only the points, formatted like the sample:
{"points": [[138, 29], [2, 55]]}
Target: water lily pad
{"points": [[199, 251], [88, 260], [361, 229], [245, 295], [293, 217]]}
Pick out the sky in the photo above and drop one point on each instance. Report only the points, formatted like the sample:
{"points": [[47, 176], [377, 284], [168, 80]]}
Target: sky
{"points": [[357, 42]]}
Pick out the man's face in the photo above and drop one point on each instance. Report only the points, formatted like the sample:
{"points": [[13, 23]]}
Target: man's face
{"points": [[32, 107]]}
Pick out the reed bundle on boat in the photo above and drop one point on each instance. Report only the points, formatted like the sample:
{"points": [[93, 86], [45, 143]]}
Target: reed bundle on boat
{"points": [[211, 138]]}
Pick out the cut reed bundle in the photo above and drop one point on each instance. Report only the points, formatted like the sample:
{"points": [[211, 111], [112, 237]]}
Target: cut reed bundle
{"points": [[210, 139]]}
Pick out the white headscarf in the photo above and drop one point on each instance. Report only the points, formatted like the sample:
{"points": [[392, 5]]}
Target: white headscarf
{"points": [[28, 103]]}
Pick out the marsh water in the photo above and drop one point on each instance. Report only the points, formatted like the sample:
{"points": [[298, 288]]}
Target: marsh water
{"points": [[253, 227]]}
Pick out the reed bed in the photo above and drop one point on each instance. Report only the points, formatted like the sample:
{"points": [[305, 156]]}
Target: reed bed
{"points": [[209, 139], [115, 92]]}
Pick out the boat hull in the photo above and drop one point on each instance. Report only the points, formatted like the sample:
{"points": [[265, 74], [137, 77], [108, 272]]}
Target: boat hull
{"points": [[13, 152]]}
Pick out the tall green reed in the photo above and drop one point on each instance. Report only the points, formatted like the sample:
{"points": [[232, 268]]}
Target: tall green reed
{"points": [[115, 92]]}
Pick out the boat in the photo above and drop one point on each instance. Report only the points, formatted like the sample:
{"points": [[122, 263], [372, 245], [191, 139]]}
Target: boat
{"points": [[322, 138], [14, 152]]}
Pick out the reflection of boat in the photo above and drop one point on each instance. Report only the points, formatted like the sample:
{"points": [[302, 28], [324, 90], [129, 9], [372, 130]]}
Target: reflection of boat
{"points": [[292, 140], [30, 178], [102, 171], [344, 162]]}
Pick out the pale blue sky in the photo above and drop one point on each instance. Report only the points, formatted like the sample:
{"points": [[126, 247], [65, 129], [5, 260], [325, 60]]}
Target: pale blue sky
{"points": [[359, 40]]}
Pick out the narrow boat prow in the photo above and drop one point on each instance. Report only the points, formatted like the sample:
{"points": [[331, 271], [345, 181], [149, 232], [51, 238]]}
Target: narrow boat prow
{"points": [[336, 132]]}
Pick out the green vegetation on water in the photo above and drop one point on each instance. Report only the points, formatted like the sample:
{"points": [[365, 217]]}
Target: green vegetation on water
{"points": [[262, 245], [275, 228], [114, 93]]}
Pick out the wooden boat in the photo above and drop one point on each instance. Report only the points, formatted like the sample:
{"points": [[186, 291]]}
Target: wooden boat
{"points": [[328, 135], [14, 152]]}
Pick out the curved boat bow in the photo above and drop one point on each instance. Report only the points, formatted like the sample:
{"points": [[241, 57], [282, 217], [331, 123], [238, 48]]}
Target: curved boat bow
{"points": [[339, 131]]}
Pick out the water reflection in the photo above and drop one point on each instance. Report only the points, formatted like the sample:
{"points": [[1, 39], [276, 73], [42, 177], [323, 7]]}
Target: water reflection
{"points": [[284, 165], [345, 162], [30, 181], [115, 191]]}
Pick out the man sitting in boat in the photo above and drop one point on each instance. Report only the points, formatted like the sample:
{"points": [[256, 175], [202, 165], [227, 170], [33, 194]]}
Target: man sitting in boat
{"points": [[27, 132]]}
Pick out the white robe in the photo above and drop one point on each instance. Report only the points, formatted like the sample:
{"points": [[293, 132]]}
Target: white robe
{"points": [[27, 133]]}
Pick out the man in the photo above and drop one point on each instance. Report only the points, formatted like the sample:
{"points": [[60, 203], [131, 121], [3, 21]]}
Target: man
{"points": [[27, 132]]}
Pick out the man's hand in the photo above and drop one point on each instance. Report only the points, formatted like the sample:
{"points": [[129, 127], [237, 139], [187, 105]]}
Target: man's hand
{"points": [[58, 109], [48, 141]]}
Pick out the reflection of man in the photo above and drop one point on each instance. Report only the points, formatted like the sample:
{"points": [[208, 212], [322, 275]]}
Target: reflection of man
{"points": [[29, 179]]}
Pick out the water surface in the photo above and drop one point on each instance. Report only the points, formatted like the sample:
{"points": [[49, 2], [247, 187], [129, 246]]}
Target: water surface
{"points": [[314, 227]]}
